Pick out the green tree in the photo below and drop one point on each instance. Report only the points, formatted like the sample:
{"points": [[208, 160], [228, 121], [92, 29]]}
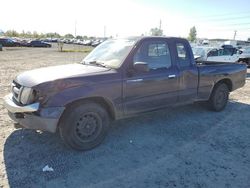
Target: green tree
{"points": [[79, 37], [28, 34], [69, 36], [52, 35], [192, 34], [156, 32], [11, 33], [22, 34], [35, 35]]}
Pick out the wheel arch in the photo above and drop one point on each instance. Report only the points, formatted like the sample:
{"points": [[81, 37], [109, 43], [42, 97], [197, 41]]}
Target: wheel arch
{"points": [[105, 103], [226, 81]]}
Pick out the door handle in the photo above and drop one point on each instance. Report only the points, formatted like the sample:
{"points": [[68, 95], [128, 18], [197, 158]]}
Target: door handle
{"points": [[172, 76], [135, 80]]}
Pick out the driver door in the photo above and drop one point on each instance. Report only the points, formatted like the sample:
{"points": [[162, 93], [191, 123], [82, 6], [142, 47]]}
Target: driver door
{"points": [[156, 88]]}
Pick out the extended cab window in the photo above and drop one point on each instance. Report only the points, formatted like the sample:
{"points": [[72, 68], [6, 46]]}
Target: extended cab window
{"points": [[155, 53], [182, 55]]}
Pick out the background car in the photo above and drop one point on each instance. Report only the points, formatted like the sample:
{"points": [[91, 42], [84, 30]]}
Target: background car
{"points": [[245, 56], [7, 42], [95, 43], [225, 54], [38, 43]]}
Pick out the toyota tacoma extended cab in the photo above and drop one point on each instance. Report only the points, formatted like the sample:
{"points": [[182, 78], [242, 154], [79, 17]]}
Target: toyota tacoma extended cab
{"points": [[120, 78]]}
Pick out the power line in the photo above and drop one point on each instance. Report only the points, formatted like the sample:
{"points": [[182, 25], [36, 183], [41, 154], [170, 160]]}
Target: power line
{"points": [[225, 14], [230, 29], [228, 18], [245, 24], [239, 24]]}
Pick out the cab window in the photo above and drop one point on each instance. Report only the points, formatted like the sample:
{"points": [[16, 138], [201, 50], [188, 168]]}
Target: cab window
{"points": [[182, 55], [155, 53]]}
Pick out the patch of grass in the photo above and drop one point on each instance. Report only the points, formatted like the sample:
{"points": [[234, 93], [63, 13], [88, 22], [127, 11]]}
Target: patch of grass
{"points": [[85, 50]]}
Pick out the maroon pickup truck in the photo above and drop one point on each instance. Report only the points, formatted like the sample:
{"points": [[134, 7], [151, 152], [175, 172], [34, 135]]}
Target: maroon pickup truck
{"points": [[120, 78]]}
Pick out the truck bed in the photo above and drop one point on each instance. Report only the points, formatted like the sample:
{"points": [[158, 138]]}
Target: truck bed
{"points": [[211, 72]]}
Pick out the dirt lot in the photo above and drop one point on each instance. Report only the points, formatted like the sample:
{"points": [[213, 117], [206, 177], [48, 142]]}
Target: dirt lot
{"points": [[182, 147]]}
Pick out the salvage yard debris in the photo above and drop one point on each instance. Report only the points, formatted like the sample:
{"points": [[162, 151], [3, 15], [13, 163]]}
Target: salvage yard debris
{"points": [[48, 169]]}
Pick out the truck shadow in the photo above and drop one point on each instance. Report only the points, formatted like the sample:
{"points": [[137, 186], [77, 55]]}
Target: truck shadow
{"points": [[131, 144]]}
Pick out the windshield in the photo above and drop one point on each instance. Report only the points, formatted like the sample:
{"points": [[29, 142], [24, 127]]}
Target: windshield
{"points": [[110, 53]]}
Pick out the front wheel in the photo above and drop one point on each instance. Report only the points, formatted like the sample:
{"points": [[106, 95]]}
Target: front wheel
{"points": [[219, 97], [84, 126]]}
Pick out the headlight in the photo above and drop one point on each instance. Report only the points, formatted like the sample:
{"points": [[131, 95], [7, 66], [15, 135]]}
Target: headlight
{"points": [[27, 95]]}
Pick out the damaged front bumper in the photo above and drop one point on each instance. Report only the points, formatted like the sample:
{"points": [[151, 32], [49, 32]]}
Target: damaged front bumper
{"points": [[32, 116]]}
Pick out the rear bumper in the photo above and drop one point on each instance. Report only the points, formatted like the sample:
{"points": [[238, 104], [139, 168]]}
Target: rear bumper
{"points": [[33, 117]]}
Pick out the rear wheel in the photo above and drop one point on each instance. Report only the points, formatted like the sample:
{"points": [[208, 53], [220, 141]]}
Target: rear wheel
{"points": [[84, 126], [219, 97]]}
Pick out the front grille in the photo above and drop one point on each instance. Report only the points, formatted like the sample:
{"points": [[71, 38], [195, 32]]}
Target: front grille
{"points": [[16, 91]]}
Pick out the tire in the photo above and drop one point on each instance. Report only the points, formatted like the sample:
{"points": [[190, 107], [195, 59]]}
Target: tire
{"points": [[219, 97], [84, 126]]}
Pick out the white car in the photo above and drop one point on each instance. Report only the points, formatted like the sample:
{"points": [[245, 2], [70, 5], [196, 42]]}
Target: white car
{"points": [[245, 56], [229, 55], [200, 52], [224, 55]]}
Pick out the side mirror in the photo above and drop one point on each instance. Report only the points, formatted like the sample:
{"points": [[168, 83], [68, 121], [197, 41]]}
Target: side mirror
{"points": [[239, 51], [141, 67]]}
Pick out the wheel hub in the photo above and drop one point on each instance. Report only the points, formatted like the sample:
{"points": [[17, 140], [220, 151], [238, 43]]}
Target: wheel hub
{"points": [[87, 126], [220, 99]]}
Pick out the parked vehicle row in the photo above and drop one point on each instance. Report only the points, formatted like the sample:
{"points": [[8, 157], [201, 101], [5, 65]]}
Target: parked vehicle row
{"points": [[8, 42], [12, 42]]}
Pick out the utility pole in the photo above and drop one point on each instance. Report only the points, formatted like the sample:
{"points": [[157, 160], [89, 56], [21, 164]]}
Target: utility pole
{"points": [[104, 31], [160, 25], [75, 29], [235, 32]]}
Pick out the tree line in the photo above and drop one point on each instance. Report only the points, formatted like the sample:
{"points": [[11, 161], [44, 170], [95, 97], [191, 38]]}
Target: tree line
{"points": [[27, 34], [153, 32], [34, 34]]}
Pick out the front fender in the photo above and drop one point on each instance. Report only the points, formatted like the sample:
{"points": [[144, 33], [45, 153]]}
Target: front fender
{"points": [[111, 93]]}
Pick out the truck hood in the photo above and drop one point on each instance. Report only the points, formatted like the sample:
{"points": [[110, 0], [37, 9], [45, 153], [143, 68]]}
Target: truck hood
{"points": [[41, 75]]}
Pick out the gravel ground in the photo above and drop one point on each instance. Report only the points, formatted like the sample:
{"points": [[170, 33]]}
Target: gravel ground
{"points": [[182, 147]]}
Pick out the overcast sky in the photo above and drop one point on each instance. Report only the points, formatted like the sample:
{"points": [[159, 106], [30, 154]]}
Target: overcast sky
{"points": [[212, 18]]}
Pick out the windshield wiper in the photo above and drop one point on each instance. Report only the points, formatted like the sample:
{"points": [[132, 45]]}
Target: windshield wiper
{"points": [[98, 63]]}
